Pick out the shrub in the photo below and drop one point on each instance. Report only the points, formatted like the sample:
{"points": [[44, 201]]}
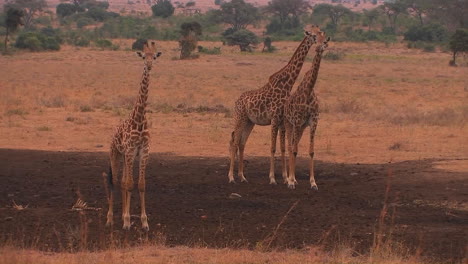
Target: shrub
{"points": [[243, 38], [213, 51], [163, 8], [138, 44], [430, 33], [103, 43], [331, 55], [36, 41], [84, 21]]}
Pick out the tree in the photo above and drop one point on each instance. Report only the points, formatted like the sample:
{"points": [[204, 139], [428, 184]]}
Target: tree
{"points": [[335, 12], [393, 10], [458, 43], [288, 11], [418, 8], [371, 16], [189, 39], [30, 9], [238, 14], [453, 11], [65, 9], [13, 19], [243, 38], [163, 8]]}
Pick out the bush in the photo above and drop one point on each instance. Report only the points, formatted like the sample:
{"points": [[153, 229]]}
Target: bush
{"points": [[84, 21], [334, 56], [243, 38], [138, 44], [428, 33], [35, 41], [163, 8], [103, 43], [213, 51]]}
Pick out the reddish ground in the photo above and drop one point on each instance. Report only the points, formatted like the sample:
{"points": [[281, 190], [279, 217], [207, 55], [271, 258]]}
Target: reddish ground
{"points": [[188, 204]]}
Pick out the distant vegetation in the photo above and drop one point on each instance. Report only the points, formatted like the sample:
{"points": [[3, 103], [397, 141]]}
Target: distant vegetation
{"points": [[424, 24]]}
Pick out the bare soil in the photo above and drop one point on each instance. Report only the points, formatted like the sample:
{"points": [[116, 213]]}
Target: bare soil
{"points": [[188, 204]]}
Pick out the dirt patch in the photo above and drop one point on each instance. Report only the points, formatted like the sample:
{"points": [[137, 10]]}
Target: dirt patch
{"points": [[189, 203]]}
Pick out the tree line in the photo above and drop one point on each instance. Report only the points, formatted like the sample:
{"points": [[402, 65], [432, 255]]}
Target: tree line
{"points": [[423, 23]]}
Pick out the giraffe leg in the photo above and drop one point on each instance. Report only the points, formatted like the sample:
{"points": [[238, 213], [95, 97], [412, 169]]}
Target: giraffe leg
{"points": [[313, 127], [127, 186], [274, 135], [234, 146], [296, 135], [112, 181], [245, 135], [283, 154], [144, 154]]}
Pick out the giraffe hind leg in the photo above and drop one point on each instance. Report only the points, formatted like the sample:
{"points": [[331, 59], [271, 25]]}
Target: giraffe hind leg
{"points": [[142, 186], [243, 140], [111, 179]]}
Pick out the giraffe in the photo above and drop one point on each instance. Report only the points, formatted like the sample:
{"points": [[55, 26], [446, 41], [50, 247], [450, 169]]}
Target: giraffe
{"points": [[265, 106], [131, 139], [301, 110]]}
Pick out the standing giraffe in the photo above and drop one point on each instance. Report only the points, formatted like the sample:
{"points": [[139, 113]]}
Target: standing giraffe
{"points": [[301, 110], [131, 139], [265, 106]]}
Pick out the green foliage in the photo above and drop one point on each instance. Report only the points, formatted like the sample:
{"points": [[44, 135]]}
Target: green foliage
{"points": [[286, 14], [335, 12], [64, 9], [238, 14], [13, 19], [243, 38], [36, 41], [138, 44], [459, 43], [99, 14], [267, 45], [103, 43], [429, 33], [84, 21], [78, 38], [163, 8], [213, 51], [287, 28]]}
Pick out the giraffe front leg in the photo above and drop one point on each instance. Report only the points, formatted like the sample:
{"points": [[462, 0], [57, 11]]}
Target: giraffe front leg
{"points": [[283, 154], [127, 186], [296, 135], [111, 179], [274, 135], [144, 155], [247, 128], [313, 184]]}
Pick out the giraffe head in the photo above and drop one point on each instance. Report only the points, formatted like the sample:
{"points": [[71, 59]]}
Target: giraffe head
{"points": [[149, 54], [311, 36], [323, 40]]}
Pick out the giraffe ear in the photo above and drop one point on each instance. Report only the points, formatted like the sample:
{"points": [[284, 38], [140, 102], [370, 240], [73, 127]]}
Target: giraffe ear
{"points": [[307, 33], [328, 39], [140, 54]]}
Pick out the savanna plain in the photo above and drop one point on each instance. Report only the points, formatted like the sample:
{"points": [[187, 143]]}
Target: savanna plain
{"points": [[391, 151]]}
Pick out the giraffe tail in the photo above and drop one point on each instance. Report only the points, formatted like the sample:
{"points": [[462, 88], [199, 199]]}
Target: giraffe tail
{"points": [[108, 184]]}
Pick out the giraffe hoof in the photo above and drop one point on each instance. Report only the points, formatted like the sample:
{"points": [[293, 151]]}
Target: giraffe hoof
{"points": [[145, 228], [292, 186], [232, 181], [126, 227], [109, 224], [314, 187], [273, 182], [244, 180]]}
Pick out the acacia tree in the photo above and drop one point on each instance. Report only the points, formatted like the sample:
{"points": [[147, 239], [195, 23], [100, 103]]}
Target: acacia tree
{"points": [[30, 9], [288, 11], [163, 8], [458, 43], [371, 16], [238, 14], [335, 12], [393, 10], [453, 11], [418, 8], [13, 19]]}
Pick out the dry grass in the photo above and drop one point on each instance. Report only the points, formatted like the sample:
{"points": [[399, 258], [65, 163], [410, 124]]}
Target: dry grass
{"points": [[160, 254], [374, 96]]}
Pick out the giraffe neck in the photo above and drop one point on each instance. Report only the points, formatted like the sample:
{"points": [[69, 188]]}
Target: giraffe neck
{"points": [[310, 78], [138, 114], [289, 73]]}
